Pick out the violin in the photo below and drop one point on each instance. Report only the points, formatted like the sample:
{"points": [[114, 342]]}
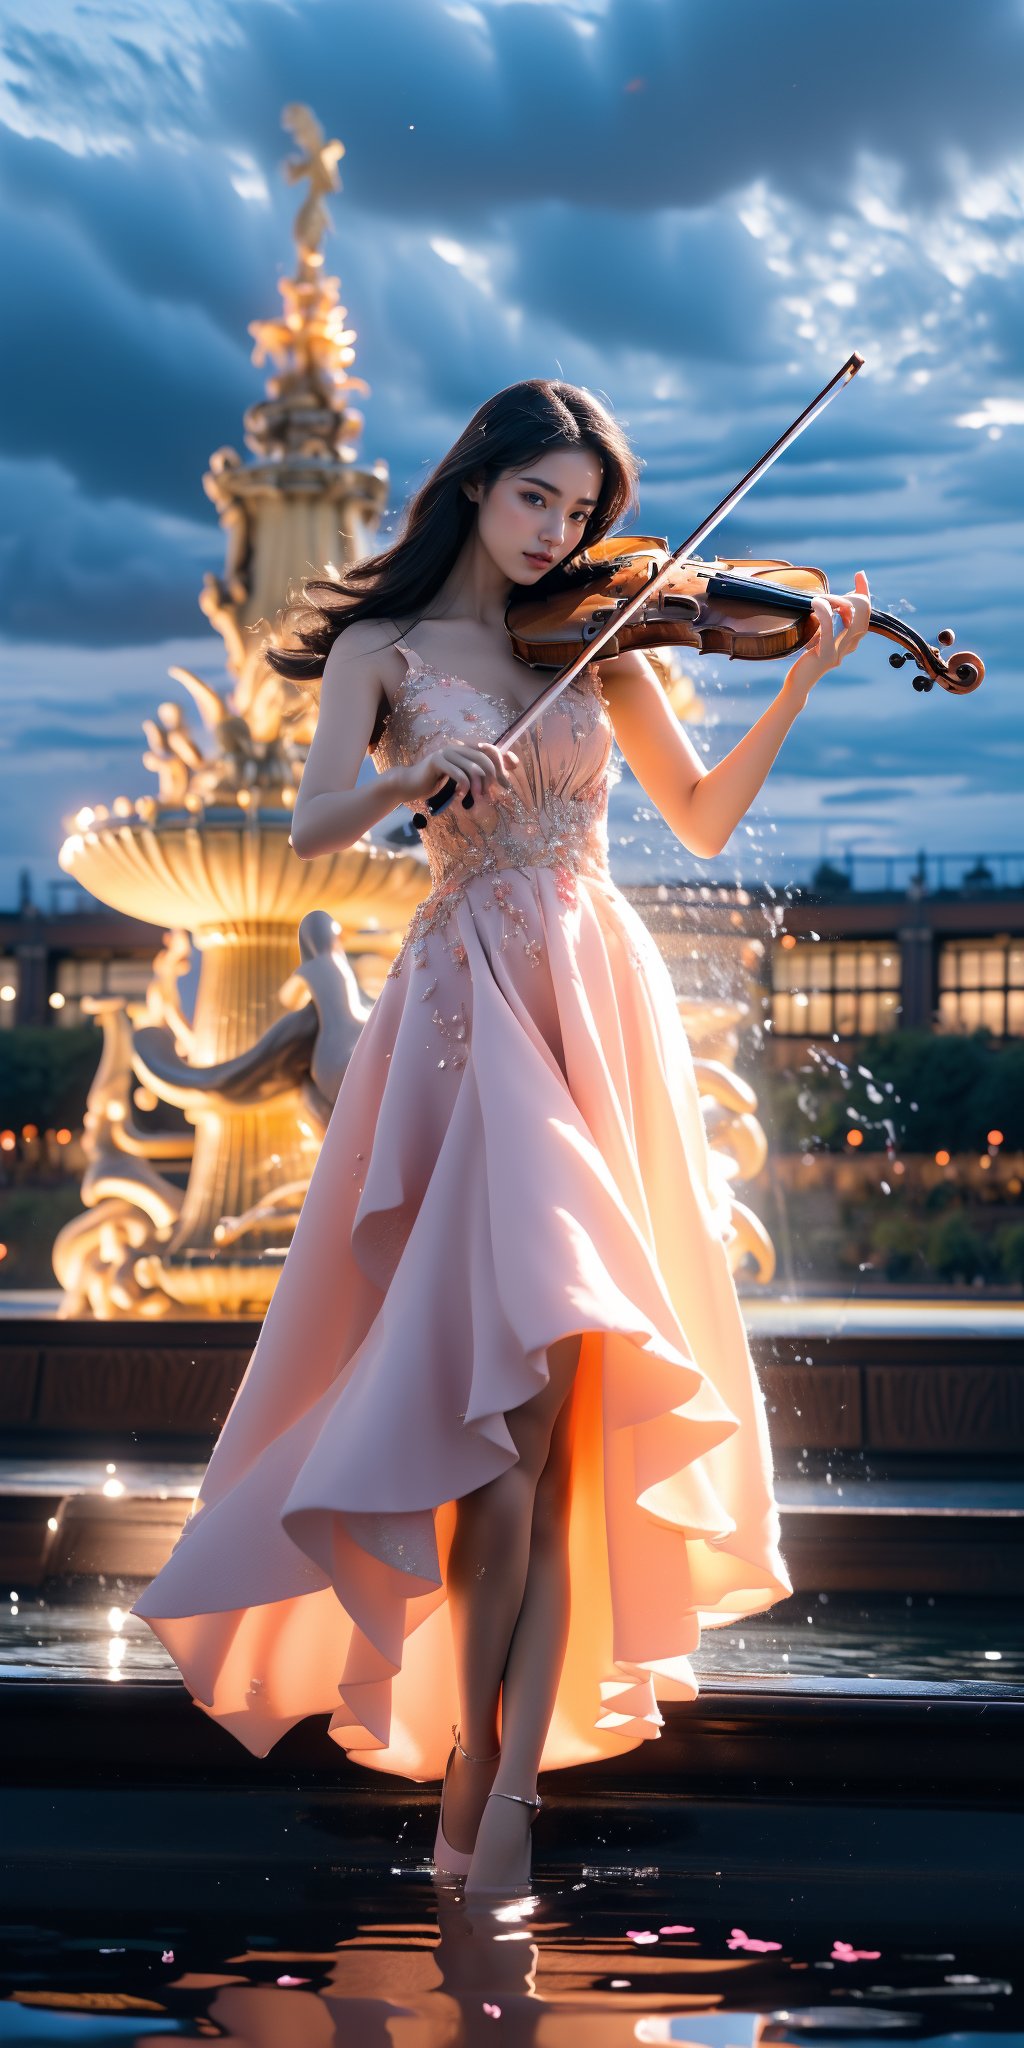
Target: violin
{"points": [[748, 610], [630, 591]]}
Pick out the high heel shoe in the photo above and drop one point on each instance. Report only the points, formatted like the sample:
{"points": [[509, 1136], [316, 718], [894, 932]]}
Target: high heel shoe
{"points": [[519, 1799], [455, 1862]]}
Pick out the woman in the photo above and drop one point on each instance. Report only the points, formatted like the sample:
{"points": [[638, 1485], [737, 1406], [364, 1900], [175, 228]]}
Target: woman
{"points": [[500, 1450]]}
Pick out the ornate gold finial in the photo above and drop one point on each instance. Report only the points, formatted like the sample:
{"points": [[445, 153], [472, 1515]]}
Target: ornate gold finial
{"points": [[320, 165], [305, 412]]}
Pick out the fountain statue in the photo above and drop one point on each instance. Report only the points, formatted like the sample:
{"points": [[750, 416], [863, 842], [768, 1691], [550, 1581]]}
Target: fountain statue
{"points": [[208, 856]]}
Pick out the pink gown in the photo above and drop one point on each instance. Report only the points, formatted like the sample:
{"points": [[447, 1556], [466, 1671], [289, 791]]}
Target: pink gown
{"points": [[517, 1153]]}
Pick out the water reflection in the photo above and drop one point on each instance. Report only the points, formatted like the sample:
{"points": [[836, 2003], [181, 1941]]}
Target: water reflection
{"points": [[82, 1629], [599, 1963]]}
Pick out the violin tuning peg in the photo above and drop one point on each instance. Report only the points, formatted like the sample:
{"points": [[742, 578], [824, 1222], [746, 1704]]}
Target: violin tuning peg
{"points": [[923, 682], [946, 637], [897, 660]]}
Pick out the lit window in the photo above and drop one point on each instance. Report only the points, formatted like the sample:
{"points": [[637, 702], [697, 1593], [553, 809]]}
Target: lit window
{"points": [[79, 976], [851, 990], [981, 983]]}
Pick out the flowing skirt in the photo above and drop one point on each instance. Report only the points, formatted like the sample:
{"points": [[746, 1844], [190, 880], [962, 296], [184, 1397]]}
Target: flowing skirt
{"points": [[517, 1153]]}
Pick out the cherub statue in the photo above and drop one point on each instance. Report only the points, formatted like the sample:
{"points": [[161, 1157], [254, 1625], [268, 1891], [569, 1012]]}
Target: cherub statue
{"points": [[173, 754], [309, 1048], [319, 164], [326, 980]]}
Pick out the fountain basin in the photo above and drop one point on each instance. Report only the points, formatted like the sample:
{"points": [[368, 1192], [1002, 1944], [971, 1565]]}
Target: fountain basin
{"points": [[228, 875], [221, 865]]}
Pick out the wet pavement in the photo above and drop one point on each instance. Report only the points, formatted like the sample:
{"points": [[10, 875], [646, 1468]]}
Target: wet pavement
{"points": [[82, 1628], [598, 1958]]}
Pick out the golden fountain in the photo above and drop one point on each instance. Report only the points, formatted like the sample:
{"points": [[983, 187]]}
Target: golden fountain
{"points": [[209, 856]]}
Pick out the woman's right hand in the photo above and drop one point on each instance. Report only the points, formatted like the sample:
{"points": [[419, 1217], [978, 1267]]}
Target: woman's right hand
{"points": [[479, 769]]}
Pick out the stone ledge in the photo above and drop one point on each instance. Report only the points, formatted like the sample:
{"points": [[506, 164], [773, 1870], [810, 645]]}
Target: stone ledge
{"points": [[955, 1390]]}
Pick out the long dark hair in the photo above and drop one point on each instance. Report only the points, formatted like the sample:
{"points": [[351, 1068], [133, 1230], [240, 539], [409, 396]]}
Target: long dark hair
{"points": [[508, 432]]}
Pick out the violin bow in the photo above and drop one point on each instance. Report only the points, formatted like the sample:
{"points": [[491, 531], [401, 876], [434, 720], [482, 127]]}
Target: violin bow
{"points": [[621, 616]]}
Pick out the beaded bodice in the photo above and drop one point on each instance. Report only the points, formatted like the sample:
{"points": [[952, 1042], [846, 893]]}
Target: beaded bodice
{"points": [[554, 814]]}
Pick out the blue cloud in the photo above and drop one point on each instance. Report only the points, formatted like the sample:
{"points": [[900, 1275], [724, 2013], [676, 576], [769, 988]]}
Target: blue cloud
{"points": [[868, 793], [126, 392], [528, 191], [78, 572]]}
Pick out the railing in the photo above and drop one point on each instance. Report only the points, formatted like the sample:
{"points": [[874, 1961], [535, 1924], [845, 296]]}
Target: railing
{"points": [[974, 874], [921, 873]]}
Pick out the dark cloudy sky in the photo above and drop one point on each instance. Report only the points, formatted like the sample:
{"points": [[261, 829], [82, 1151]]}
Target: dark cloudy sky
{"points": [[696, 210]]}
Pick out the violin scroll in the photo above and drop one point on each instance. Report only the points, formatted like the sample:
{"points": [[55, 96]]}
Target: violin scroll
{"points": [[959, 680]]}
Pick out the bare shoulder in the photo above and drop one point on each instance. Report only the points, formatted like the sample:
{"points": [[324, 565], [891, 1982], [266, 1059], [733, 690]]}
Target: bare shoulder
{"points": [[360, 644], [364, 657]]}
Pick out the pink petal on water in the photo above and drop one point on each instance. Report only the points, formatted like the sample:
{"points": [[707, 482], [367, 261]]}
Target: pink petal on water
{"points": [[493, 2011], [638, 1935], [842, 1952], [738, 1939], [677, 1930]]}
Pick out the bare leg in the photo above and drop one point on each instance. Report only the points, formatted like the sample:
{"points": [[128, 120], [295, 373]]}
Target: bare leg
{"points": [[532, 1671], [537, 1651], [486, 1580]]}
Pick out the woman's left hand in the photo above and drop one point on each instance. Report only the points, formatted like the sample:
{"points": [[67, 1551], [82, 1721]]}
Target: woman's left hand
{"points": [[825, 650]]}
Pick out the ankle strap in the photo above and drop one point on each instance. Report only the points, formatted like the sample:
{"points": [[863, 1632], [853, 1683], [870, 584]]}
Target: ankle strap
{"points": [[464, 1752]]}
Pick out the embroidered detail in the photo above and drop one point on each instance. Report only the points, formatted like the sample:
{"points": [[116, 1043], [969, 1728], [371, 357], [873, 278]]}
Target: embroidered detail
{"points": [[553, 814], [579, 849], [455, 1032], [518, 919]]}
